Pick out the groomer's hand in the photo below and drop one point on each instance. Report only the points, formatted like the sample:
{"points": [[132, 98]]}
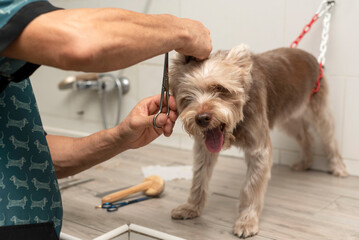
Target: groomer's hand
{"points": [[199, 43], [136, 130]]}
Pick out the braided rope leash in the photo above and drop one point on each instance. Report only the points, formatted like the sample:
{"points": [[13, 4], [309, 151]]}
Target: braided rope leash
{"points": [[324, 8]]}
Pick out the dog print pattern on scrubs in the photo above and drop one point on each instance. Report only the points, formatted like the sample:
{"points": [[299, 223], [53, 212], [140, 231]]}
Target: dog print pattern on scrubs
{"points": [[29, 191]]}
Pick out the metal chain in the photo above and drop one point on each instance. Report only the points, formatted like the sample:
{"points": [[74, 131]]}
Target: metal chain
{"points": [[325, 35], [306, 29], [324, 8]]}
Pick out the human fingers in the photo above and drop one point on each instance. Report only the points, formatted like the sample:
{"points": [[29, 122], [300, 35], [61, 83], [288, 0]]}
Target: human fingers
{"points": [[172, 103], [168, 128], [199, 44], [153, 104], [173, 116]]}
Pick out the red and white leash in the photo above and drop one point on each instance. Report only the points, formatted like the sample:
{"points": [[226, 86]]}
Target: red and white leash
{"points": [[324, 9]]}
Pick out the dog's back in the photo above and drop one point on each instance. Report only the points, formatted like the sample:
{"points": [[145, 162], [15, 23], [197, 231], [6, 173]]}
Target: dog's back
{"points": [[287, 76]]}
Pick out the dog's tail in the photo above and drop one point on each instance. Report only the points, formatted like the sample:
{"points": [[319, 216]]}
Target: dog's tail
{"points": [[319, 100]]}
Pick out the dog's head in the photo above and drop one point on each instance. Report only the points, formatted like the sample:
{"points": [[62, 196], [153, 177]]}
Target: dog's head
{"points": [[210, 95]]}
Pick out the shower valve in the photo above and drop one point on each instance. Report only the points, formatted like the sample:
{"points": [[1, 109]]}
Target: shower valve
{"points": [[103, 83]]}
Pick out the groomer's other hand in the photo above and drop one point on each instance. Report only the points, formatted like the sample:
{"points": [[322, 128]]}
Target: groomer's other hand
{"points": [[136, 130], [199, 43]]}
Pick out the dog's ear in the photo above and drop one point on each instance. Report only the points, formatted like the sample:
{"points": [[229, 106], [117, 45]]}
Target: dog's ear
{"points": [[242, 56], [239, 52]]}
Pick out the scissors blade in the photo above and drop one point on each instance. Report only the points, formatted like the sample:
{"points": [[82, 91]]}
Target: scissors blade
{"points": [[165, 82], [164, 90]]}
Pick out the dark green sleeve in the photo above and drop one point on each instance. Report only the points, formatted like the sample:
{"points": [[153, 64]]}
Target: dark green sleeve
{"points": [[10, 30]]}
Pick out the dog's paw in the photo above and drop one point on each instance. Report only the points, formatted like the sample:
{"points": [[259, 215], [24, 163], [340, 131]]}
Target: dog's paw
{"points": [[339, 170], [300, 166], [185, 211], [245, 229]]}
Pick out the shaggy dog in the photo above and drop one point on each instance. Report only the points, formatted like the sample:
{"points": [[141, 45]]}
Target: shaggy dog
{"points": [[235, 98]]}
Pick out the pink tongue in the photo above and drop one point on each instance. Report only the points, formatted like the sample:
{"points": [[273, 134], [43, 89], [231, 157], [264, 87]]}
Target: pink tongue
{"points": [[214, 140]]}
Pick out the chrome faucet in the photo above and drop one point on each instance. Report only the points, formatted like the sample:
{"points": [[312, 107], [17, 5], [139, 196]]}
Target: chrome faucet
{"points": [[102, 82]]}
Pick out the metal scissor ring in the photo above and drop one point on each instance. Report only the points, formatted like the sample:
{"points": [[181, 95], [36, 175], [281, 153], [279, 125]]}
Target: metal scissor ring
{"points": [[111, 207], [164, 90]]}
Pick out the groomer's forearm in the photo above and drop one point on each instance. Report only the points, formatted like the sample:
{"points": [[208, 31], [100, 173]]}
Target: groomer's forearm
{"points": [[97, 40], [73, 155]]}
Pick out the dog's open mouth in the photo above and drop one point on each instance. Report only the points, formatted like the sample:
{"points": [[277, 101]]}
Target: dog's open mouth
{"points": [[214, 138]]}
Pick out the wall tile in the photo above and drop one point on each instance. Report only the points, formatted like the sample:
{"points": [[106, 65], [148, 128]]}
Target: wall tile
{"points": [[68, 126], [186, 142], [179, 127], [49, 98], [352, 166], [276, 156], [137, 6], [131, 98], [150, 80], [82, 105], [343, 39], [145, 6], [288, 157], [66, 4], [281, 140], [320, 163], [297, 15], [351, 120], [233, 22]]}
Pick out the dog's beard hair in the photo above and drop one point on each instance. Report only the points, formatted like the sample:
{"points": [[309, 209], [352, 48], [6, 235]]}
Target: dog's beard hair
{"points": [[227, 111]]}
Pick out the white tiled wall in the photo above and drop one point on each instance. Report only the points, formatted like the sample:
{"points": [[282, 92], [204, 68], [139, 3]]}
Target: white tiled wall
{"points": [[262, 25]]}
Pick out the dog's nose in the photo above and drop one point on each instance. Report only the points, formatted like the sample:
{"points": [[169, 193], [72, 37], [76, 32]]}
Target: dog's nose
{"points": [[203, 119]]}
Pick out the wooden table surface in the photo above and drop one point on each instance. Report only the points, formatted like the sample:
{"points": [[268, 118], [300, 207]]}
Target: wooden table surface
{"points": [[298, 205]]}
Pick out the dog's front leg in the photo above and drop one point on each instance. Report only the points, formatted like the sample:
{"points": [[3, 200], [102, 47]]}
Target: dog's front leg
{"points": [[204, 162], [259, 162]]}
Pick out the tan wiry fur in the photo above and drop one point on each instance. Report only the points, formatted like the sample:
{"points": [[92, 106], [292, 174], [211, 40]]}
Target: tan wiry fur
{"points": [[245, 95]]}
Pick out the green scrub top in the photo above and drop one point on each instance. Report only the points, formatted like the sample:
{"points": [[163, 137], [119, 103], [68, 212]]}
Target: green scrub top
{"points": [[29, 191]]}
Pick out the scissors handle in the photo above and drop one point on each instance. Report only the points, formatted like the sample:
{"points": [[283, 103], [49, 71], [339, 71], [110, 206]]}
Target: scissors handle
{"points": [[112, 207], [109, 207]]}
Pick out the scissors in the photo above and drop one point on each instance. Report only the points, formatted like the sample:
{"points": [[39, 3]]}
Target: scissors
{"points": [[112, 207], [164, 90]]}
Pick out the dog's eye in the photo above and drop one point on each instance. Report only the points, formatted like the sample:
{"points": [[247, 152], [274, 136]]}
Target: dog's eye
{"points": [[185, 101], [220, 89]]}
